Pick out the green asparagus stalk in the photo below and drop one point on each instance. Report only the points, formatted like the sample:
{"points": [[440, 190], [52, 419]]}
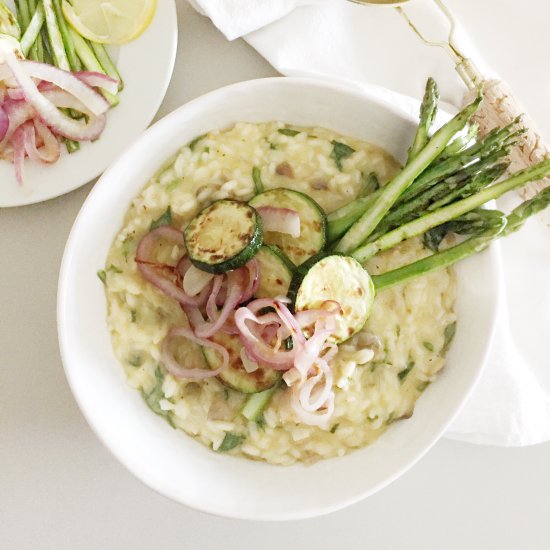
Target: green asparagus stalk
{"points": [[56, 40], [460, 142], [23, 15], [428, 112], [454, 210], [36, 50], [342, 219], [363, 227], [66, 37], [526, 209], [482, 179], [106, 63], [29, 38], [500, 227], [496, 140], [440, 260], [473, 223], [90, 62], [455, 187]]}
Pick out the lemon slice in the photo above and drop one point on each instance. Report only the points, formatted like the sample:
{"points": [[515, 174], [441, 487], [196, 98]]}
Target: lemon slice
{"points": [[109, 21]]}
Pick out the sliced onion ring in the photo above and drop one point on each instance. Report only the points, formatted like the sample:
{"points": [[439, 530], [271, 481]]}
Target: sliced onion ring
{"points": [[196, 280], [67, 81], [180, 371], [151, 272], [235, 288], [281, 220], [48, 112]]}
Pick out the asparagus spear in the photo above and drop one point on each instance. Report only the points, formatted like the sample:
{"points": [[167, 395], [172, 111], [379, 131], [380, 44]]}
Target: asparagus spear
{"points": [[460, 142], [22, 12], [461, 185], [363, 227], [454, 210], [471, 246], [32, 32], [475, 222], [428, 111], [519, 215], [90, 62], [106, 63], [494, 141], [342, 219], [66, 37], [56, 40]]}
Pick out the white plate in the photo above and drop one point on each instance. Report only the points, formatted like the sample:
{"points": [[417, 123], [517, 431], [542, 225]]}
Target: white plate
{"points": [[172, 462], [146, 66]]}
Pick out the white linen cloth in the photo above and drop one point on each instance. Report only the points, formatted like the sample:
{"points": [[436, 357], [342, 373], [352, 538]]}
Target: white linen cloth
{"points": [[373, 47]]}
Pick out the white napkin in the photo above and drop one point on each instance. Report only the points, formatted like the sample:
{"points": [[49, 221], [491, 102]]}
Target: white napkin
{"points": [[373, 47]]}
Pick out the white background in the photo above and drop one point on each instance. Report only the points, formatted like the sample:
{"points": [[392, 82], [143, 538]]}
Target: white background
{"points": [[60, 489]]}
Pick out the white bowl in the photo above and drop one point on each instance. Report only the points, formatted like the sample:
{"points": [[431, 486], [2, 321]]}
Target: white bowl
{"points": [[168, 460]]}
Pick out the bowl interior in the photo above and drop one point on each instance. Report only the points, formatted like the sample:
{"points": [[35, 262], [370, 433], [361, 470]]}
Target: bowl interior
{"points": [[168, 460]]}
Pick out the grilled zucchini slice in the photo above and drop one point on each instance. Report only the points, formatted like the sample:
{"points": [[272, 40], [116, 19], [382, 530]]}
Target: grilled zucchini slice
{"points": [[313, 223], [276, 272], [235, 375], [223, 236], [341, 279]]}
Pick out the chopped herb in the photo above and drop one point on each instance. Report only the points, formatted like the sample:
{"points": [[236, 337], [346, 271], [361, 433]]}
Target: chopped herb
{"points": [[334, 428], [288, 132], [398, 330], [173, 184], [102, 273], [135, 360], [289, 343], [133, 315], [194, 143], [155, 395], [448, 334], [428, 345], [206, 150], [340, 152], [127, 246], [422, 386], [369, 185], [257, 179], [230, 441], [266, 310], [272, 146], [403, 374], [260, 422], [225, 394], [165, 219]]}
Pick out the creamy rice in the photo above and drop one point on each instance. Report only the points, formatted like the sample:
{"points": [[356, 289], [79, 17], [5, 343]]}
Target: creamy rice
{"points": [[413, 322]]}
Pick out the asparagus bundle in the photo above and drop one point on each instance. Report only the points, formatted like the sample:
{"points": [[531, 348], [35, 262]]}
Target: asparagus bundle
{"points": [[441, 189]]}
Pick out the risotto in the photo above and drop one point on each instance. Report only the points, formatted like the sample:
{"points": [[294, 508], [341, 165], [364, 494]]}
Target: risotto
{"points": [[377, 375]]}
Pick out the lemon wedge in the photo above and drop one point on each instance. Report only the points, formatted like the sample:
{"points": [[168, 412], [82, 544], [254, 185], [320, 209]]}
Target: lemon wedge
{"points": [[109, 21]]}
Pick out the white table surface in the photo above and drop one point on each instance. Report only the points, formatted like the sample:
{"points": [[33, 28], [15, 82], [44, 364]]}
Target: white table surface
{"points": [[61, 489]]}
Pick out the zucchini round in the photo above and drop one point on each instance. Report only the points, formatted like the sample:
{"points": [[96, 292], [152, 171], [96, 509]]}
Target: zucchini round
{"points": [[313, 223], [235, 375], [276, 272], [223, 236], [341, 279]]}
